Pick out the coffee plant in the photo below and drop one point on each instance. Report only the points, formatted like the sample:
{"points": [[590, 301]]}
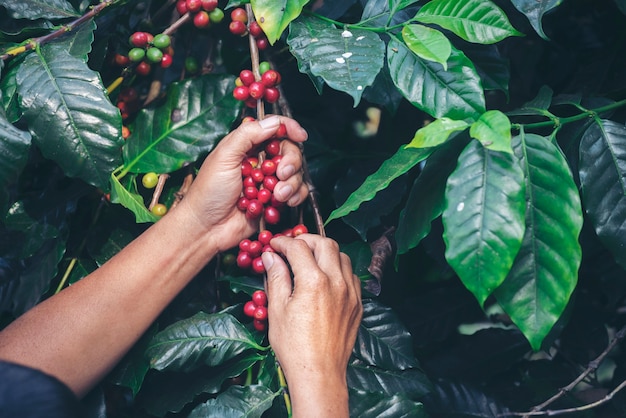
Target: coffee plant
{"points": [[470, 157]]}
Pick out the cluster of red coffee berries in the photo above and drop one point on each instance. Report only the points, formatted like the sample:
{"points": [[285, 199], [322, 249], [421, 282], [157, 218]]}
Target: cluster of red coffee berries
{"points": [[250, 250], [239, 26], [249, 90], [148, 50], [256, 308], [204, 12], [128, 102]]}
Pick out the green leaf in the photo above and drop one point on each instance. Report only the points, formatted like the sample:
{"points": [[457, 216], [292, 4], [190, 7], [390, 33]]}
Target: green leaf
{"points": [[484, 218], [426, 200], [69, 115], [436, 132], [478, 21], [237, 402], [455, 93], [402, 161], [493, 130], [116, 240], [132, 201], [198, 112], [492, 67], [412, 383], [78, 44], [245, 284], [131, 371], [39, 9], [203, 339], [368, 405], [10, 99], [382, 340], [427, 43], [347, 60], [14, 147], [545, 271], [275, 15], [603, 180], [534, 11]]}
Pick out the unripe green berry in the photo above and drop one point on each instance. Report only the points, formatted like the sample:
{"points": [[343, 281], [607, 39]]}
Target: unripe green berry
{"points": [[264, 66], [161, 41], [154, 55], [136, 54], [216, 15], [191, 65], [150, 180]]}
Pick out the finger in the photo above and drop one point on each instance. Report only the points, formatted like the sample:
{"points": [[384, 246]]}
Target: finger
{"points": [[301, 259], [326, 253], [300, 196], [278, 279], [291, 160], [284, 190], [250, 134]]}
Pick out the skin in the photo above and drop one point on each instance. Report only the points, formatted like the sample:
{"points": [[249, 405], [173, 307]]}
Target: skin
{"points": [[325, 301], [80, 334]]}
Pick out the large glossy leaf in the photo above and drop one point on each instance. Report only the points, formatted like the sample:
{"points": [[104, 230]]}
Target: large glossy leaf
{"points": [[171, 392], [14, 146], [203, 339], [275, 15], [131, 371], [237, 402], [39, 9], [603, 179], [462, 401], [198, 113], [347, 60], [401, 162], [455, 93], [493, 130], [368, 405], [534, 11], [545, 271], [382, 340], [412, 383], [69, 115], [483, 218], [479, 21], [492, 67], [426, 200], [427, 43]]}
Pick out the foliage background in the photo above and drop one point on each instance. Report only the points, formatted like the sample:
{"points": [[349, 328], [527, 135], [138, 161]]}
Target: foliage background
{"points": [[476, 316]]}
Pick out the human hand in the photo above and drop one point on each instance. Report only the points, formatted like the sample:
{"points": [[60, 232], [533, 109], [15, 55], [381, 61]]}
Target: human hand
{"points": [[313, 324], [213, 195]]}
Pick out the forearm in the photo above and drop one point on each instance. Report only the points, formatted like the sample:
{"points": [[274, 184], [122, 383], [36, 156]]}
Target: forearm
{"points": [[81, 333]]}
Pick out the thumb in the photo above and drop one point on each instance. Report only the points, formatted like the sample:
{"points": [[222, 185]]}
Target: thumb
{"points": [[279, 286], [249, 134]]}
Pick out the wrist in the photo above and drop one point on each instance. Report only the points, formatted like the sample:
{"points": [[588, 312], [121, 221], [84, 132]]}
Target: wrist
{"points": [[318, 395]]}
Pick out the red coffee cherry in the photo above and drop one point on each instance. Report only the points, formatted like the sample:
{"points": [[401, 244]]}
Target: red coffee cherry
{"points": [[262, 43], [257, 175], [244, 260], [258, 267], [251, 192], [254, 209], [143, 68], [166, 61], [244, 245], [246, 168], [271, 215], [299, 230], [264, 196], [249, 308], [255, 248], [239, 15], [255, 29], [282, 131], [249, 181], [270, 78], [270, 182], [247, 77], [256, 89], [265, 237], [259, 298], [272, 94], [259, 325], [181, 7], [201, 20], [242, 203], [272, 148], [209, 5], [260, 313], [241, 93], [268, 167], [237, 28], [139, 39], [193, 6]]}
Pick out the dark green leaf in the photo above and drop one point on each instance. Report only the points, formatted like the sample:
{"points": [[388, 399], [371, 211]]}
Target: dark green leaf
{"points": [[382, 340], [401, 162], [70, 115], [455, 93], [347, 60], [479, 21], [78, 42], [14, 146], [38, 230], [245, 284], [411, 383], [198, 113], [544, 273], [436, 132], [171, 392], [462, 401], [534, 11], [131, 371], [369, 405], [39, 9], [237, 402], [275, 15], [203, 339], [483, 218], [603, 180], [426, 200], [492, 67], [10, 100], [117, 239]]}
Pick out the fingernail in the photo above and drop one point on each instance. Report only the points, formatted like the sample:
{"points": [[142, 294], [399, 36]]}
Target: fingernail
{"points": [[268, 260], [269, 123], [284, 192], [287, 171]]}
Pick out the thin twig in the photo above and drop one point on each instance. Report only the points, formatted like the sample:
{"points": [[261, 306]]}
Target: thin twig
{"points": [[158, 190]]}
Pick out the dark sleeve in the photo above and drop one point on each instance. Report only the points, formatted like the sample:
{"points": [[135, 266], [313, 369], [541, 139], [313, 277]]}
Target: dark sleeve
{"points": [[30, 393]]}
